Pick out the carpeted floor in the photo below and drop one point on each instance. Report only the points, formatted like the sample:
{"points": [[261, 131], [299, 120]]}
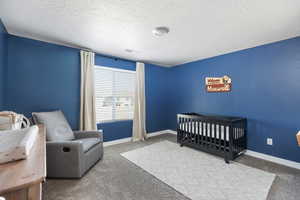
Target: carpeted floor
{"points": [[116, 178]]}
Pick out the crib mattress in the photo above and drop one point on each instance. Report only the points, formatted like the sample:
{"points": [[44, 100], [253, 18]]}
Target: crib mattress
{"points": [[192, 127]]}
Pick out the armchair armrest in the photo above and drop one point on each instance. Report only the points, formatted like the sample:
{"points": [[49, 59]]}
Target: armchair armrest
{"points": [[88, 134], [64, 158], [65, 146]]}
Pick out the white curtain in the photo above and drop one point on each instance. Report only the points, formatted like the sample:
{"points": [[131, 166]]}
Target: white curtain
{"points": [[87, 98], [139, 130]]}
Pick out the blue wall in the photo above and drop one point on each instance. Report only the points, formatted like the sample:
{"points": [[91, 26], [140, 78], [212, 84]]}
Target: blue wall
{"points": [[266, 83], [44, 77], [156, 99], [3, 61]]}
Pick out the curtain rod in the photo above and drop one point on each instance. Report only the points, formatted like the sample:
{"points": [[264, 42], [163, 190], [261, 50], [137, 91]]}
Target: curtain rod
{"points": [[107, 56], [90, 50]]}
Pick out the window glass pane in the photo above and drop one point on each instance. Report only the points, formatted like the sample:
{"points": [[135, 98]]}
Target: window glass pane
{"points": [[114, 94]]}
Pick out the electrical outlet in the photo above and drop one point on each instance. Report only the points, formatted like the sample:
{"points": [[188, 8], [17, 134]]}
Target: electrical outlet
{"points": [[269, 141]]}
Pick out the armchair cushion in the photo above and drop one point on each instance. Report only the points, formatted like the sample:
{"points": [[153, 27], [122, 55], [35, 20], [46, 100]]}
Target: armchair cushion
{"points": [[88, 143], [57, 127], [89, 134]]}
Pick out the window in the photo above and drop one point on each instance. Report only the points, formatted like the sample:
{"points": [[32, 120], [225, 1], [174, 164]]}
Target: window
{"points": [[114, 90]]}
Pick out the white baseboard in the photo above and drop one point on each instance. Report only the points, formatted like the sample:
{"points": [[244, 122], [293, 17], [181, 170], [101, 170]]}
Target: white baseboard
{"points": [[171, 131], [123, 140], [119, 141], [273, 159], [156, 133], [161, 132]]}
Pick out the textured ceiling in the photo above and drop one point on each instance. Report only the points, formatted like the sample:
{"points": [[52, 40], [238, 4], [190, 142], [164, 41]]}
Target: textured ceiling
{"points": [[198, 28]]}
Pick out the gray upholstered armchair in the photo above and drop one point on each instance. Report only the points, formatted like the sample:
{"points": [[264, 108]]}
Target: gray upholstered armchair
{"points": [[71, 159], [69, 153]]}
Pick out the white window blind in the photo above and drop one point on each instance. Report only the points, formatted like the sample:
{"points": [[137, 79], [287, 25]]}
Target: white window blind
{"points": [[114, 90]]}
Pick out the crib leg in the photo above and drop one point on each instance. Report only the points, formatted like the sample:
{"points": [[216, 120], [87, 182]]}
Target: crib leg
{"points": [[181, 145], [226, 159]]}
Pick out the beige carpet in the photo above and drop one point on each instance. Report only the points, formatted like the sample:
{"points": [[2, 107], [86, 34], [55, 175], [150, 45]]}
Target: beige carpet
{"points": [[201, 176]]}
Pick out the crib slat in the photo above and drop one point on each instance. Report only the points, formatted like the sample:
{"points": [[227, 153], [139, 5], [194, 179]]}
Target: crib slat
{"points": [[214, 136], [192, 130], [183, 124], [213, 130], [195, 131], [198, 132], [178, 129], [237, 136], [237, 132], [209, 136], [234, 142], [228, 133], [205, 133], [220, 137], [202, 131], [217, 138], [240, 137], [227, 137], [185, 128], [181, 128], [188, 129], [203, 137]]}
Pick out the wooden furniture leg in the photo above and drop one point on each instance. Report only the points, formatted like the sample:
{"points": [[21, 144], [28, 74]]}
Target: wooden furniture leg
{"points": [[35, 192]]}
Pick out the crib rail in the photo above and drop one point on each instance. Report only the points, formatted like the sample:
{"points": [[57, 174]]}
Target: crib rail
{"points": [[220, 135]]}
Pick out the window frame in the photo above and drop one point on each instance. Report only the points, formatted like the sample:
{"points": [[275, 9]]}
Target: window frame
{"points": [[116, 70]]}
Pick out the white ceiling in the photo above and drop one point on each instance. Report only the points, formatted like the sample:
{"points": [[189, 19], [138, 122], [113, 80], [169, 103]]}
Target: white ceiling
{"points": [[198, 28]]}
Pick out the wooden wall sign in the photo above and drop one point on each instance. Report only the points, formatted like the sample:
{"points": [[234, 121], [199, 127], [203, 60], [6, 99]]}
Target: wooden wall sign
{"points": [[218, 84]]}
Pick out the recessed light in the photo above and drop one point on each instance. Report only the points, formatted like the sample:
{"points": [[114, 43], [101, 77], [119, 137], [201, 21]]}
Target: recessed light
{"points": [[161, 30], [129, 50]]}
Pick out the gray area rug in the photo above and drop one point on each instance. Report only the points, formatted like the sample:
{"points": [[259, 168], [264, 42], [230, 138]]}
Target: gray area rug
{"points": [[201, 176]]}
